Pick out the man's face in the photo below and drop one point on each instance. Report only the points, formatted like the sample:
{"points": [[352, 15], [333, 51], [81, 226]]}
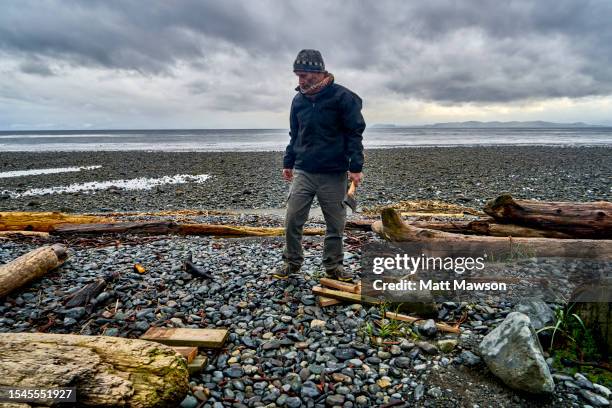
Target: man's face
{"points": [[308, 79]]}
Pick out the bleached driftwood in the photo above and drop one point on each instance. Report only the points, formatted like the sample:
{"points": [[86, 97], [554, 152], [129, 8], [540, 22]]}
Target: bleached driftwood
{"points": [[30, 266], [107, 371]]}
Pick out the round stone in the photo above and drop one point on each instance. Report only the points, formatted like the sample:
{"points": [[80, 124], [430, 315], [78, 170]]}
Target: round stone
{"points": [[403, 362], [334, 400], [293, 402], [189, 402]]}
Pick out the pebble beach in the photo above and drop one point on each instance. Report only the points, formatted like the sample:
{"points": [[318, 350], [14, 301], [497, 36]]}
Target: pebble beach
{"points": [[283, 349], [248, 180]]}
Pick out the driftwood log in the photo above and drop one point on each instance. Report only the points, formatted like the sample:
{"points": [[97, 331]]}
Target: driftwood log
{"points": [[491, 228], [392, 228], [476, 227], [193, 269], [239, 231], [107, 371], [488, 227], [30, 266], [83, 296], [582, 220], [361, 225], [23, 234], [137, 228], [43, 221], [410, 319], [169, 227]]}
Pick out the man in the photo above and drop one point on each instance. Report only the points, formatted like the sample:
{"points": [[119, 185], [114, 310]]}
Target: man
{"points": [[326, 133]]}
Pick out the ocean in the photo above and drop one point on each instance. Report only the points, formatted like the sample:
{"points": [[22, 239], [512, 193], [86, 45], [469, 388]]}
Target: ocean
{"points": [[277, 139]]}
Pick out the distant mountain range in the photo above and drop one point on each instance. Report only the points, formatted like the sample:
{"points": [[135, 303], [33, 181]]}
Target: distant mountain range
{"points": [[496, 124]]}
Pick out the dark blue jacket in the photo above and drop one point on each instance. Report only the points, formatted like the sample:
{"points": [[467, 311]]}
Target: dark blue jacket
{"points": [[326, 131]]}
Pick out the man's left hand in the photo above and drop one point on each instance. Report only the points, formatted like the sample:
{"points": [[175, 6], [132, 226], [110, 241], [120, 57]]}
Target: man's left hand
{"points": [[355, 178]]}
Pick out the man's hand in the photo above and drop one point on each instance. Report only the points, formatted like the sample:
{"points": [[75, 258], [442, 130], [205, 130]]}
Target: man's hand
{"points": [[356, 178], [288, 174]]}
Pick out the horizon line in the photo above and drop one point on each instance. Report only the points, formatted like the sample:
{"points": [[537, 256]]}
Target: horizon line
{"points": [[375, 125]]}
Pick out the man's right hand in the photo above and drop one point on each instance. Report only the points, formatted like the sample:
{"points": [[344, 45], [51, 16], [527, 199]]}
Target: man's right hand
{"points": [[288, 174]]}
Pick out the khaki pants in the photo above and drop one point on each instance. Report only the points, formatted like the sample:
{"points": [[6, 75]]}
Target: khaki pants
{"points": [[330, 189]]}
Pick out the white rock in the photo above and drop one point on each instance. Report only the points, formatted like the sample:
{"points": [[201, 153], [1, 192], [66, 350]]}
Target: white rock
{"points": [[317, 323], [596, 400], [605, 391], [513, 353]]}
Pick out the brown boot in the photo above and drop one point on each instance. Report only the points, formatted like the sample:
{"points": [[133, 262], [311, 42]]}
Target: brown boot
{"points": [[339, 273], [286, 271]]}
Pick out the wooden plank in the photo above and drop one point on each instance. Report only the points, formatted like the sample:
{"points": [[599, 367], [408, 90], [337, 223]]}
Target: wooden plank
{"points": [[324, 301], [344, 296], [207, 338], [197, 365], [404, 318], [338, 285], [189, 353]]}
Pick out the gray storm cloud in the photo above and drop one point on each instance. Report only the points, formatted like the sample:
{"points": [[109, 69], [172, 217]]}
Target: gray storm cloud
{"points": [[440, 51]]}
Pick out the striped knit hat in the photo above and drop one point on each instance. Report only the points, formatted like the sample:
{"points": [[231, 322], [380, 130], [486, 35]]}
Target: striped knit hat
{"points": [[309, 60]]}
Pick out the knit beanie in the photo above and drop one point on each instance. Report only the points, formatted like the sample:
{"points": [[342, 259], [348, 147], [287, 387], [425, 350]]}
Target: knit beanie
{"points": [[309, 60]]}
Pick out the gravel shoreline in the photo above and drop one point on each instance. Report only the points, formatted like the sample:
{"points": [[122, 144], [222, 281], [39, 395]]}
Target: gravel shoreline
{"points": [[281, 345], [276, 327], [243, 180]]}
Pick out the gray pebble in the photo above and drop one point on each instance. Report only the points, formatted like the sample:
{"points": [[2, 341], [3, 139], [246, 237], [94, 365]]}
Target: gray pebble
{"points": [[189, 402]]}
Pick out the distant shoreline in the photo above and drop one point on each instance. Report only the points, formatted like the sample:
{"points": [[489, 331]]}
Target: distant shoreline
{"points": [[443, 125], [279, 150], [276, 140]]}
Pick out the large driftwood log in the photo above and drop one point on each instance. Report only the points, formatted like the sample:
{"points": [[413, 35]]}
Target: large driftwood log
{"points": [[138, 228], [489, 227], [43, 221], [239, 231], [169, 227], [479, 227], [30, 266], [107, 371], [585, 220], [392, 228]]}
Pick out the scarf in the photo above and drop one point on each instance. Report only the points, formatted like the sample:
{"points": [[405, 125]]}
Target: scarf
{"points": [[318, 87]]}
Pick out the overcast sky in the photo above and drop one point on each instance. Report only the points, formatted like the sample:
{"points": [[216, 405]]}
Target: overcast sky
{"points": [[228, 64]]}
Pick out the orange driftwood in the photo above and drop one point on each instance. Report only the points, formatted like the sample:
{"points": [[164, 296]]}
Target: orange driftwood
{"points": [[43, 221]]}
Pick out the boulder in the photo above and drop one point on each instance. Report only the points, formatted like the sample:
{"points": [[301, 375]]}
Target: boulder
{"points": [[513, 353], [538, 311]]}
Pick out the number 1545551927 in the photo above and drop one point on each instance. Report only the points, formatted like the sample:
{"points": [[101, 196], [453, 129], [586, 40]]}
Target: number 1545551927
{"points": [[31, 394]]}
